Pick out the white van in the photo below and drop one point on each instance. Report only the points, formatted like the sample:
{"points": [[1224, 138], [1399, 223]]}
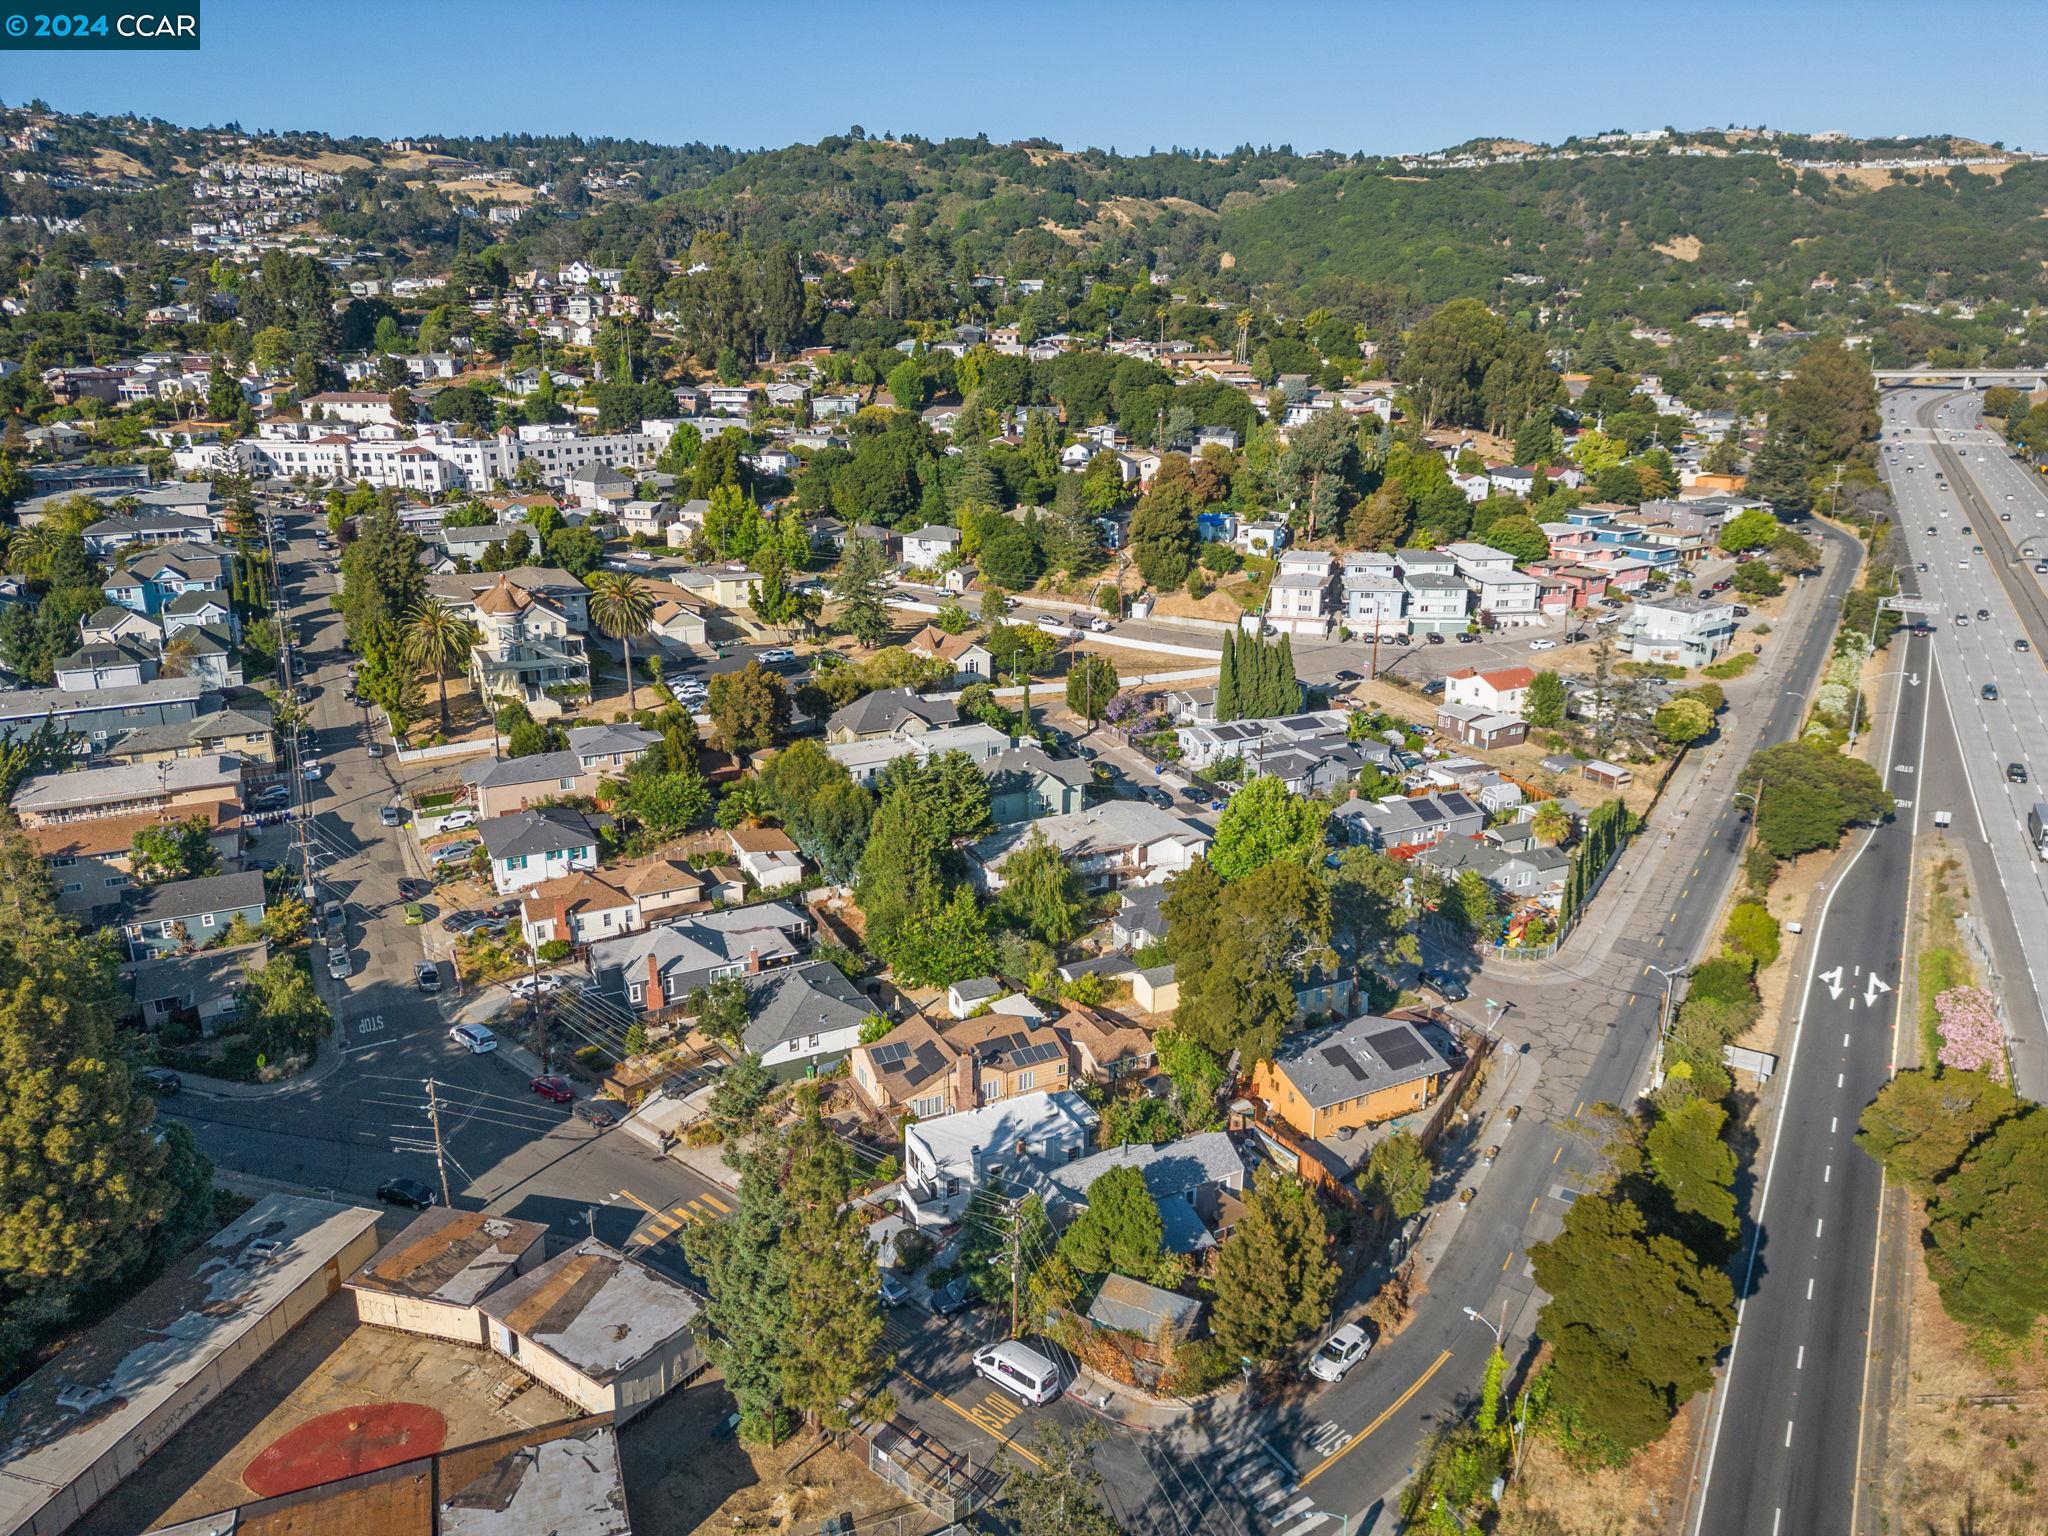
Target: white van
{"points": [[1020, 1370]]}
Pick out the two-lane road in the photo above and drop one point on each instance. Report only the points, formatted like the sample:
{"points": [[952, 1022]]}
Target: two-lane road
{"points": [[1785, 1424]]}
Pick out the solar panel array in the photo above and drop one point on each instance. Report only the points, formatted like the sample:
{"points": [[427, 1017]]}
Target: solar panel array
{"points": [[1398, 1048], [1344, 1061]]}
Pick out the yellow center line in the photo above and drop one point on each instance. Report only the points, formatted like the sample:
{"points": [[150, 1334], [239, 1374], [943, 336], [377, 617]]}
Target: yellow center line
{"points": [[1555, 1156], [1006, 1441], [1392, 1408]]}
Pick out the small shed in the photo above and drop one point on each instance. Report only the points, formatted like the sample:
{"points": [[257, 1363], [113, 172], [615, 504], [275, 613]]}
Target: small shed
{"points": [[1131, 1306], [432, 1277], [1156, 990], [1611, 775]]}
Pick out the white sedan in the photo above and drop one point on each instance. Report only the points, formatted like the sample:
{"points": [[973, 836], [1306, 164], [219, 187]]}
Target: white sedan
{"points": [[1341, 1351], [1542, 645]]}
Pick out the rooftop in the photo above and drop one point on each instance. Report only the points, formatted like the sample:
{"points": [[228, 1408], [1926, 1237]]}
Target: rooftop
{"points": [[108, 1385], [1365, 1055], [1131, 1306], [1021, 1123], [448, 1255], [798, 1001], [594, 1309], [49, 792], [189, 898]]}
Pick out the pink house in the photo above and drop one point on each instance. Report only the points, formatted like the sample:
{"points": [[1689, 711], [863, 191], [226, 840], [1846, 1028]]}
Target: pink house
{"points": [[1568, 584]]}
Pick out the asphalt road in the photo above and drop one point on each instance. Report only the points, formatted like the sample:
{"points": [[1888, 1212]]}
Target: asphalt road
{"points": [[361, 1119], [1343, 1447], [1786, 1421], [2006, 509]]}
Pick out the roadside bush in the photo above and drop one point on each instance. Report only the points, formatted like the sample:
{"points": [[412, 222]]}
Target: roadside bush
{"points": [[1727, 978], [1754, 932]]}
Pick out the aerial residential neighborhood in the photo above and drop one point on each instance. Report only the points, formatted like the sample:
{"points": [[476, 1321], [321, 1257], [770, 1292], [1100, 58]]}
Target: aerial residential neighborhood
{"points": [[980, 834]]}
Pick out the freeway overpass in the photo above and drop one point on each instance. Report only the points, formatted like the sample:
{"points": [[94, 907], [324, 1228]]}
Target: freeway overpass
{"points": [[1965, 378]]}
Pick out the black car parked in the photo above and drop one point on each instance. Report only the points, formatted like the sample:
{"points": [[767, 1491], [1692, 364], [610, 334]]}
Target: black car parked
{"points": [[409, 1192]]}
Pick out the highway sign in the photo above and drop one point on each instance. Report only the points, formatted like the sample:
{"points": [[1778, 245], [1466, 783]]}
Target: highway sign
{"points": [[1909, 605]]}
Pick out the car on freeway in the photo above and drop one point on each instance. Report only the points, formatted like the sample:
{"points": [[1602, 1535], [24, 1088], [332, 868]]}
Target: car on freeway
{"points": [[1983, 615], [428, 976], [160, 1080], [1988, 693], [454, 853], [600, 1112], [338, 967], [407, 1192], [477, 1039], [2005, 517], [554, 1088], [1921, 567], [2021, 645], [1933, 531], [2015, 773], [1341, 1351], [1968, 531], [957, 1295]]}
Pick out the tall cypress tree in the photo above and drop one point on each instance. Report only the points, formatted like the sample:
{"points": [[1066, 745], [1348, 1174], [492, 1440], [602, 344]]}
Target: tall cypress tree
{"points": [[1226, 679], [1287, 692]]}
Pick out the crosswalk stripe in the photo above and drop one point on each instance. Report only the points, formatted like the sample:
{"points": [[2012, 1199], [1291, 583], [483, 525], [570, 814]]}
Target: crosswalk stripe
{"points": [[1308, 1524], [716, 1204]]}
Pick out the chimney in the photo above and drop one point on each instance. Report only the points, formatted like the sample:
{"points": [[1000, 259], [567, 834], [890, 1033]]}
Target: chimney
{"points": [[655, 999], [753, 960], [965, 1095]]}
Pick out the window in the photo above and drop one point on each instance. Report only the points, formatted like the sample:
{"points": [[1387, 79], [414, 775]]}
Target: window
{"points": [[63, 862], [115, 882], [206, 920], [73, 888], [566, 783], [636, 992], [1024, 1081]]}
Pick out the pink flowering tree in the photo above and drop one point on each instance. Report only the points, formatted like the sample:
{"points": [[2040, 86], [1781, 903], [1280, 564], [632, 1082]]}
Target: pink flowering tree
{"points": [[1971, 1037]]}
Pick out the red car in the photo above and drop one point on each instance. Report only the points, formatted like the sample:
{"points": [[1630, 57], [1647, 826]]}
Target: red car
{"points": [[555, 1090]]}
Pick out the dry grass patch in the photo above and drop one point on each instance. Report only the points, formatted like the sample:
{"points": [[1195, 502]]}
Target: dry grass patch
{"points": [[1681, 248], [1967, 1444], [1556, 1497]]}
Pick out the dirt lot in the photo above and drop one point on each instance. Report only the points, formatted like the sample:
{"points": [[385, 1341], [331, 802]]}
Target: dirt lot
{"points": [[1553, 1497], [1966, 1436], [686, 1472]]}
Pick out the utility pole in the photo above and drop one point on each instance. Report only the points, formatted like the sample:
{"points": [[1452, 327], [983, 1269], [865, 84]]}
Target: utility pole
{"points": [[540, 1009], [1016, 1264], [440, 1157]]}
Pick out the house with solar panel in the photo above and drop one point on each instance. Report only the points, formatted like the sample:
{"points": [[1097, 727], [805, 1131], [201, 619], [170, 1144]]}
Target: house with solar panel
{"points": [[1350, 1075]]}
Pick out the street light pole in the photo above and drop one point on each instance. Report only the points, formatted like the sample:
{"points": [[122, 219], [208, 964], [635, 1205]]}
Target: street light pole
{"points": [[1669, 977]]}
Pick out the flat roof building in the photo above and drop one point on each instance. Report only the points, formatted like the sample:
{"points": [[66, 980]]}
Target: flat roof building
{"points": [[431, 1277]]}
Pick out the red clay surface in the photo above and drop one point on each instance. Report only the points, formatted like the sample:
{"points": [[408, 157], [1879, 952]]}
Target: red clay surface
{"points": [[343, 1443]]}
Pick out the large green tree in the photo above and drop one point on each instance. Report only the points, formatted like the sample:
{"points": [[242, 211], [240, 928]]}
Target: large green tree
{"points": [[1275, 1279], [1635, 1321], [1988, 1229], [1041, 894], [1262, 823], [858, 586], [749, 708], [1811, 795], [1120, 1232], [1922, 1123]]}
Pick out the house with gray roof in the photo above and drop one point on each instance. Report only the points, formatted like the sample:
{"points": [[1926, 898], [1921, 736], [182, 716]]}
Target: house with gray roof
{"points": [[544, 843], [99, 715], [1114, 844], [1333, 1081], [803, 1018], [1025, 782], [93, 667], [1410, 821], [1186, 1178], [1017, 1141], [890, 712], [657, 969], [164, 919], [205, 987], [1124, 1305]]}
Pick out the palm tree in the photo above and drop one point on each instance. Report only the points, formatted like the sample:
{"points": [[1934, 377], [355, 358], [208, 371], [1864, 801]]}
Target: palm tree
{"points": [[1551, 823], [435, 635], [622, 606]]}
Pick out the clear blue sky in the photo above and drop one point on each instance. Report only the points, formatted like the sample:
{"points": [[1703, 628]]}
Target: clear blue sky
{"points": [[1339, 74]]}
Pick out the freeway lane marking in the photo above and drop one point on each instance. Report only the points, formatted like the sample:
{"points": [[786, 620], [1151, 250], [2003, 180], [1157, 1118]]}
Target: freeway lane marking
{"points": [[968, 1415], [1359, 1439]]}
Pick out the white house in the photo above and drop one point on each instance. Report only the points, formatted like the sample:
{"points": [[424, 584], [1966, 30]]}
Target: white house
{"points": [[766, 856], [1437, 604], [530, 846], [1509, 597], [1502, 691], [1116, 843], [1018, 1141], [1682, 631], [929, 545]]}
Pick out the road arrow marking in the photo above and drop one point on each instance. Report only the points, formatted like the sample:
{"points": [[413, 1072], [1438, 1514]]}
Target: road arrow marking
{"points": [[1870, 992], [1834, 980]]}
